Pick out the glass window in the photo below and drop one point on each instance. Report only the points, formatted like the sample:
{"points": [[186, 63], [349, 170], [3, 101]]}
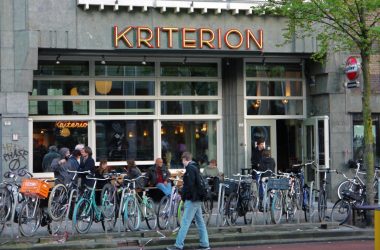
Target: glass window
{"points": [[60, 88], [122, 140], [189, 69], [58, 107], [64, 68], [124, 107], [274, 88], [124, 69], [274, 107], [104, 87], [273, 70], [197, 137], [189, 107], [61, 134], [189, 88]]}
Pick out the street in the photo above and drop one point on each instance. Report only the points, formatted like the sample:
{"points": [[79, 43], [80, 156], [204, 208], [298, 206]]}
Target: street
{"points": [[339, 245]]}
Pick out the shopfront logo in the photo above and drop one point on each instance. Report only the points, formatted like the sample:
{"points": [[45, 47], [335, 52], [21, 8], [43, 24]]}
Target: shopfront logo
{"points": [[188, 38], [71, 124], [352, 68]]}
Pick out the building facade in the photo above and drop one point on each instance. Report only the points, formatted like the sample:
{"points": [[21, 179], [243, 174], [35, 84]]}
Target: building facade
{"points": [[147, 79]]}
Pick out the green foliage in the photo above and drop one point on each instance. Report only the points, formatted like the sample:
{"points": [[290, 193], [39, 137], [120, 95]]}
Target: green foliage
{"points": [[336, 24]]}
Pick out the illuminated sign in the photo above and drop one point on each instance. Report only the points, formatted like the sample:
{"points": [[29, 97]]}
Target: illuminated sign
{"points": [[73, 124], [190, 38]]}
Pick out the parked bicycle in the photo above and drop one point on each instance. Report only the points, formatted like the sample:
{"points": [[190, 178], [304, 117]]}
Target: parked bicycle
{"points": [[86, 210], [138, 207], [168, 208]]}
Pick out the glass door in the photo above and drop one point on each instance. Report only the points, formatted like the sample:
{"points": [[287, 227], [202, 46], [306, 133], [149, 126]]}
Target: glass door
{"points": [[265, 129]]}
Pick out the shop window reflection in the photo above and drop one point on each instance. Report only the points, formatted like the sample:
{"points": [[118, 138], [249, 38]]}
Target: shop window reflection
{"points": [[60, 134], [121, 140], [198, 137]]}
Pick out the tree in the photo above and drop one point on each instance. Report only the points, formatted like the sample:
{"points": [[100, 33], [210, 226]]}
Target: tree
{"points": [[350, 25]]}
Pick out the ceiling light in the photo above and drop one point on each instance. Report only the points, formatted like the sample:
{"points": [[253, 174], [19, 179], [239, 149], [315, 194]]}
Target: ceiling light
{"points": [[57, 60], [103, 61]]}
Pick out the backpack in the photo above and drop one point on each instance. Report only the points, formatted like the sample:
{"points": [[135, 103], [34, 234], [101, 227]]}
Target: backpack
{"points": [[203, 188]]}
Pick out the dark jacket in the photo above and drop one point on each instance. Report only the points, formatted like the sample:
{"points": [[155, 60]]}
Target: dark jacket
{"points": [[190, 180], [256, 158], [133, 173], [152, 174], [73, 165], [48, 159], [267, 163], [88, 164]]}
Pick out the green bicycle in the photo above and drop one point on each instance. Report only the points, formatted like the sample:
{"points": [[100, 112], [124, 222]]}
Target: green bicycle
{"points": [[86, 210], [136, 207]]}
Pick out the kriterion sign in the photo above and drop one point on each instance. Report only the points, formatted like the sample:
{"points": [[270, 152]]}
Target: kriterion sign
{"points": [[187, 38]]}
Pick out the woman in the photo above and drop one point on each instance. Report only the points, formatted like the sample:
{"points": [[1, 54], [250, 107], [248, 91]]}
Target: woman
{"points": [[133, 172]]}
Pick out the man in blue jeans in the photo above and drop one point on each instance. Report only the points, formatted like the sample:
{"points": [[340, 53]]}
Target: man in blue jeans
{"points": [[193, 205]]}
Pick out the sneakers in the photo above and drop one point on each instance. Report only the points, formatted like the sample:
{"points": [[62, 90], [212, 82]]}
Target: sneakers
{"points": [[203, 248], [173, 248]]}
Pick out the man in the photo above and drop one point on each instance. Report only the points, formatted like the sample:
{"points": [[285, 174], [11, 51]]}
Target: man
{"points": [[49, 157], [88, 164], [158, 176], [257, 153], [59, 167], [192, 205]]}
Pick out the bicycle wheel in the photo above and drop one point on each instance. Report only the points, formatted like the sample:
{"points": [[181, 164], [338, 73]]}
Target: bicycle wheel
{"points": [[5, 207], [108, 201], [276, 210], [345, 186], [132, 214], [340, 211], [29, 218], [306, 203], [290, 206], [232, 209], [164, 213], [251, 214], [57, 202], [298, 193], [151, 215], [207, 207], [322, 205], [83, 216]]}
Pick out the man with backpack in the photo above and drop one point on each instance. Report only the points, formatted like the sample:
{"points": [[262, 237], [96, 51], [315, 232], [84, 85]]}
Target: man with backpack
{"points": [[192, 205]]}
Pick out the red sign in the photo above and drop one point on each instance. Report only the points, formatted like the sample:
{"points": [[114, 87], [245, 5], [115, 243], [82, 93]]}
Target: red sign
{"points": [[352, 68]]}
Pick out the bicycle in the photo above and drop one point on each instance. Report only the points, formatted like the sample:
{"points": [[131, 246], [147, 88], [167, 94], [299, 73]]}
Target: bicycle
{"points": [[136, 207], [59, 199], [10, 199], [286, 188], [86, 210], [352, 184], [350, 200], [263, 203], [241, 203], [168, 208], [31, 215]]}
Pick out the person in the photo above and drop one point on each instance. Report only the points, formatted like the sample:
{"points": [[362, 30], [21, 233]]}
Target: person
{"points": [[49, 157], [213, 172], [87, 164], [133, 172], [59, 167], [257, 153], [158, 176], [267, 163], [73, 162], [192, 205], [100, 172]]}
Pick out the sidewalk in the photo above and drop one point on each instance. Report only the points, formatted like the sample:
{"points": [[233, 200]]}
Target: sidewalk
{"points": [[219, 237]]}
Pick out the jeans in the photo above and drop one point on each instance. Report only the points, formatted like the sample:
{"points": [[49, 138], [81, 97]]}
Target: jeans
{"points": [[192, 209], [166, 189]]}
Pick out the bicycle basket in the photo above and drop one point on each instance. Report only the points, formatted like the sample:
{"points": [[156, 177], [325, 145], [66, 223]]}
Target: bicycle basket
{"points": [[232, 187], [34, 187], [278, 184]]}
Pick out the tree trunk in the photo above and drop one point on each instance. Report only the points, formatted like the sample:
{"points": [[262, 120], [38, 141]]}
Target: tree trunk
{"points": [[367, 120]]}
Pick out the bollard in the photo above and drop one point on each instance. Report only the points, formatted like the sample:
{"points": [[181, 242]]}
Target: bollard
{"points": [[377, 229]]}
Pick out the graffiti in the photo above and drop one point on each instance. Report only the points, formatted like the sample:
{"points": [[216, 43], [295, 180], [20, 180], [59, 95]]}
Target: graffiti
{"points": [[14, 156]]}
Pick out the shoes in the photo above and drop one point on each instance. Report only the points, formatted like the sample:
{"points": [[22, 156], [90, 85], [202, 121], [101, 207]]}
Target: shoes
{"points": [[203, 248], [173, 248]]}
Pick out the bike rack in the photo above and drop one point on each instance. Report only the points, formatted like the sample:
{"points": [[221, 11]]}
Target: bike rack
{"points": [[119, 220], [220, 204], [68, 211]]}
